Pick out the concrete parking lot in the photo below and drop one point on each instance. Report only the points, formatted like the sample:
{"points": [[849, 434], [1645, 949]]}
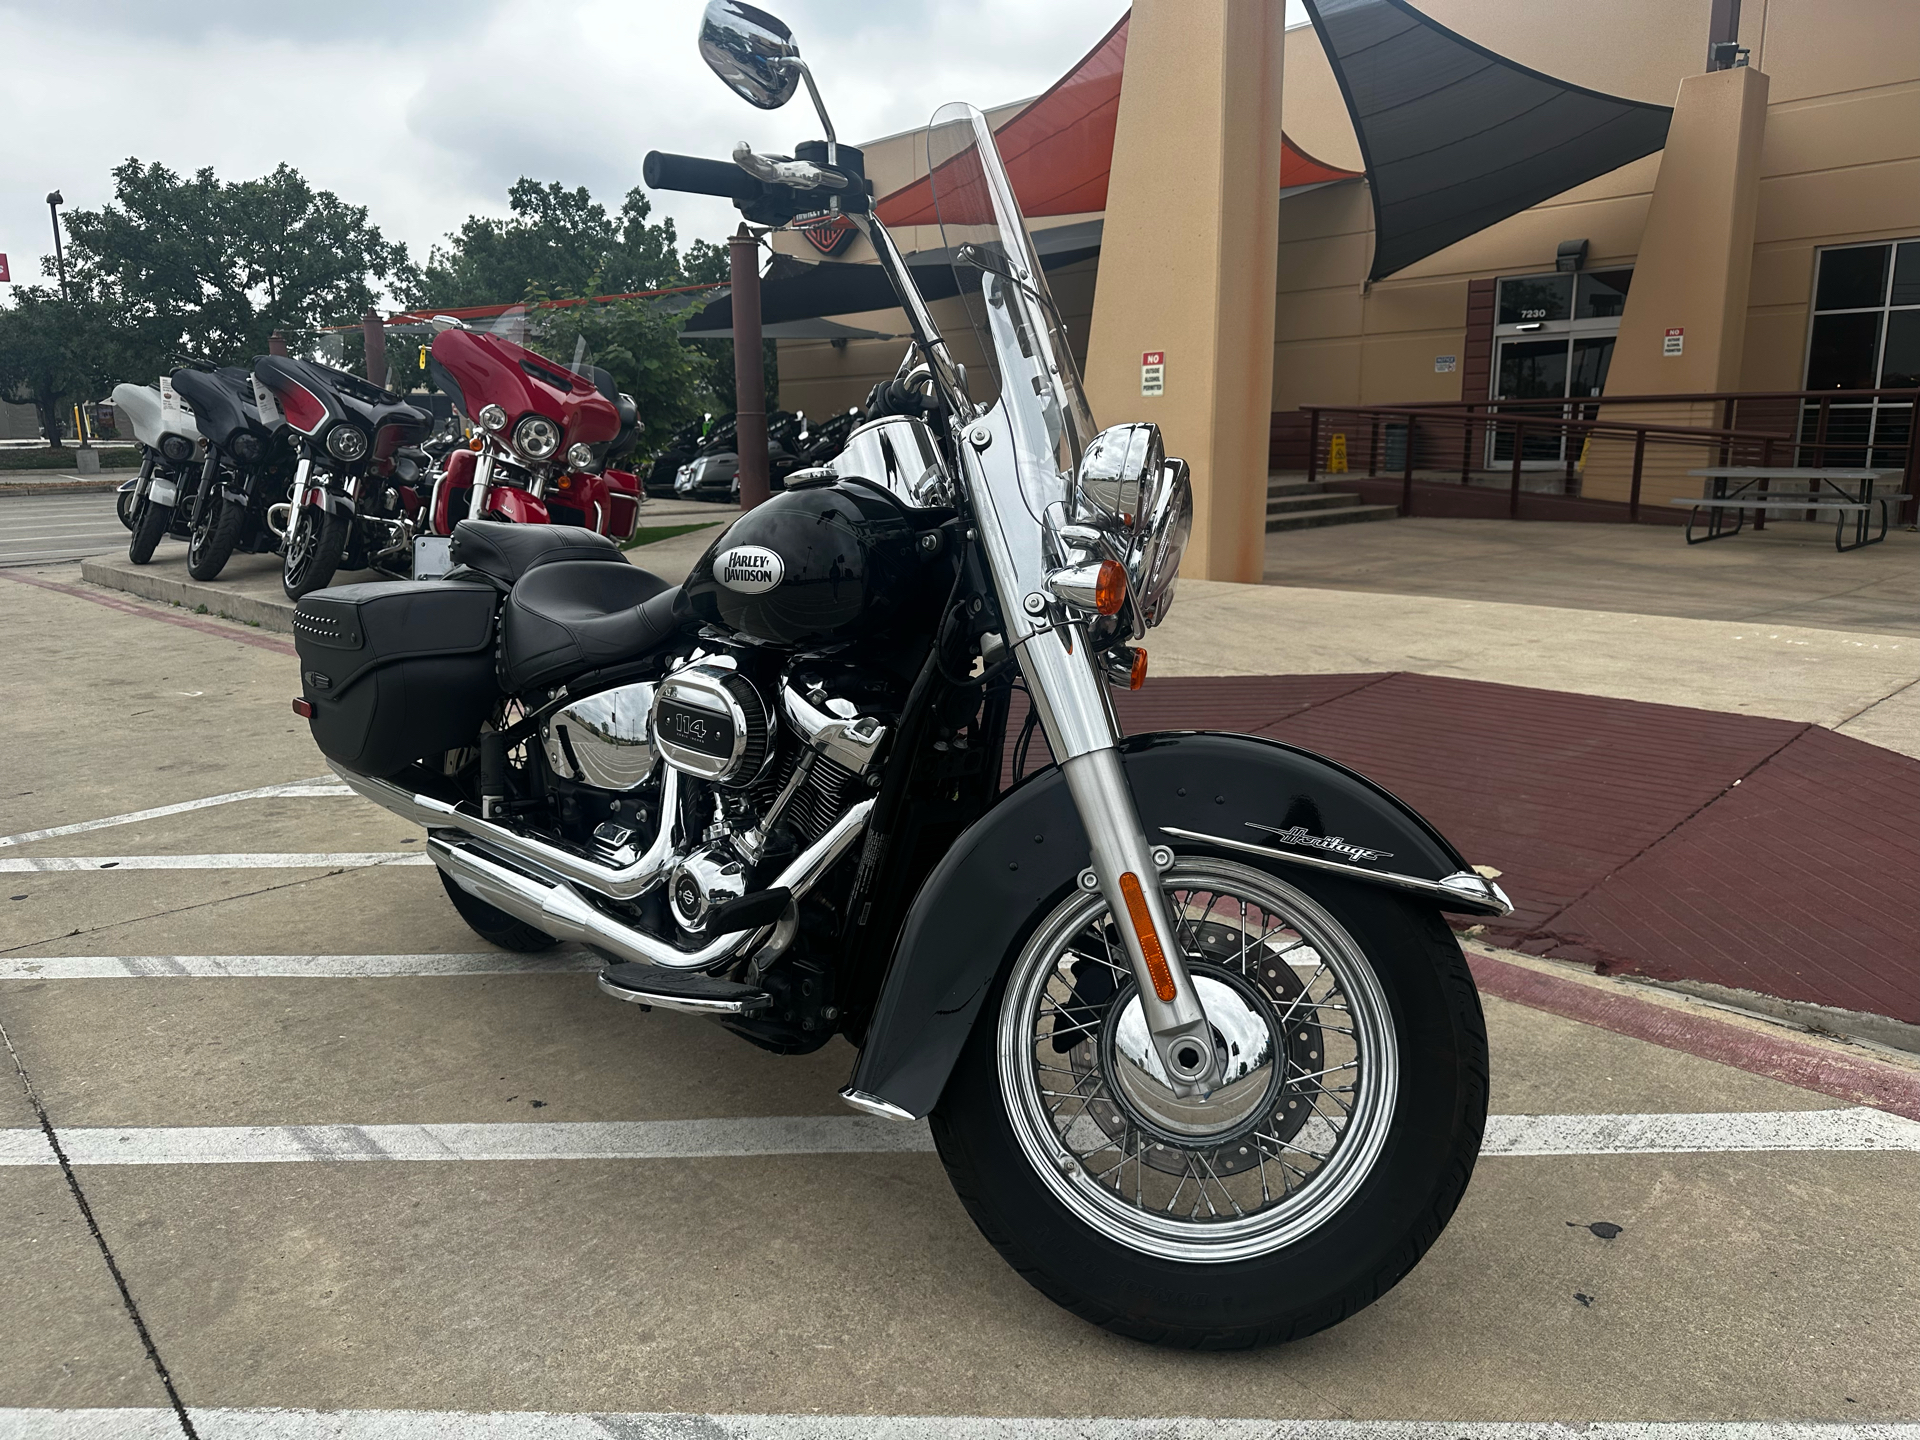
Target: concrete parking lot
{"points": [[333, 1169]]}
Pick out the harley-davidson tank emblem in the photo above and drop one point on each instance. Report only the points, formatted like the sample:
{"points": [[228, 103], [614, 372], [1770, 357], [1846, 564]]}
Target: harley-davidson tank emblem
{"points": [[749, 569], [1333, 844]]}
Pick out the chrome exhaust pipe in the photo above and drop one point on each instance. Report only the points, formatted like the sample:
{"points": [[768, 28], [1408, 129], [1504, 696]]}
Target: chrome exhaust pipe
{"points": [[556, 908], [621, 882]]}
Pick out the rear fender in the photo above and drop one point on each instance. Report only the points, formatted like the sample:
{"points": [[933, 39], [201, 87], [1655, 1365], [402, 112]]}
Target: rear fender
{"points": [[1195, 791]]}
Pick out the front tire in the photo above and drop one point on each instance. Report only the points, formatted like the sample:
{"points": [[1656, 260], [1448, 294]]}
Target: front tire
{"points": [[150, 525], [314, 544], [214, 535], [124, 507], [1286, 1201]]}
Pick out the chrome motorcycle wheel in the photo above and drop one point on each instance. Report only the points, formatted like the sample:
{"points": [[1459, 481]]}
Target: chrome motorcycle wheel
{"points": [[1306, 1044]]}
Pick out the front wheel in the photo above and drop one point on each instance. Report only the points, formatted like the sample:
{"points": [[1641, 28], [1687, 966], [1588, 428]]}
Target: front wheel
{"points": [[215, 531], [151, 522], [125, 506], [1310, 1181], [314, 544]]}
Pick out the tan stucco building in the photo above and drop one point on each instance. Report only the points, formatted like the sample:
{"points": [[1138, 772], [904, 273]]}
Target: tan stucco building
{"points": [[1769, 230]]}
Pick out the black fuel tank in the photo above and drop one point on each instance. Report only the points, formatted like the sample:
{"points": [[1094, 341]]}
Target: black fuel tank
{"points": [[818, 565]]}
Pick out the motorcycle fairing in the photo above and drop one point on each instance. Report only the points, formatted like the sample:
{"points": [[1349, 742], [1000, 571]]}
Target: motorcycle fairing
{"points": [[508, 503], [1236, 791], [487, 369], [149, 417]]}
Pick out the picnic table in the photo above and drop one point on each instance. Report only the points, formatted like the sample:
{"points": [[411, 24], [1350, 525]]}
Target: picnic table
{"points": [[1847, 492]]}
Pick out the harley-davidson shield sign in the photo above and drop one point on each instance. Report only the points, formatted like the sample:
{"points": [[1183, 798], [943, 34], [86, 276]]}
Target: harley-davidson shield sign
{"points": [[827, 233]]}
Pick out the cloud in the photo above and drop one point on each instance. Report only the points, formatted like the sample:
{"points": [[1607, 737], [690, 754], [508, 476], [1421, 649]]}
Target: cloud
{"points": [[426, 113]]}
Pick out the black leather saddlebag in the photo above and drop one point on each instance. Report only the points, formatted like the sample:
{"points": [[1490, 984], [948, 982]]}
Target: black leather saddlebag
{"points": [[396, 672]]}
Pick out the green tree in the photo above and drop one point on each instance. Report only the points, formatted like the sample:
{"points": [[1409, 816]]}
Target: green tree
{"points": [[212, 268], [639, 344], [559, 242], [708, 263], [53, 352]]}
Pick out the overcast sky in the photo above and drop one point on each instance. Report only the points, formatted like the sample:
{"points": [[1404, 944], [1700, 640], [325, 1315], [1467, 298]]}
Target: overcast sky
{"points": [[425, 111]]}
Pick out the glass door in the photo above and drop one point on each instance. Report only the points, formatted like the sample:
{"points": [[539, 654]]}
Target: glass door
{"points": [[1553, 338]]}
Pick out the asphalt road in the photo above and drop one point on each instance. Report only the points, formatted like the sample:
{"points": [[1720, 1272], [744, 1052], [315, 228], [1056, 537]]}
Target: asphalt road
{"points": [[335, 1169], [42, 529]]}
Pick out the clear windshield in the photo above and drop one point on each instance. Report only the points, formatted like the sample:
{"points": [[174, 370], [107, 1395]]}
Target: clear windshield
{"points": [[1012, 313]]}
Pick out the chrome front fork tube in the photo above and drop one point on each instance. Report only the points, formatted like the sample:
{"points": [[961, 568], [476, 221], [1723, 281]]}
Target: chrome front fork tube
{"points": [[482, 483], [1080, 726]]}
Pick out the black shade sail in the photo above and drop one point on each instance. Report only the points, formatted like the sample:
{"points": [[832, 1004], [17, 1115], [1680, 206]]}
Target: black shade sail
{"points": [[1457, 138]]}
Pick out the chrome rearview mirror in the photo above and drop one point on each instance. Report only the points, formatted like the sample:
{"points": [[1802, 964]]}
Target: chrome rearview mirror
{"points": [[752, 51]]}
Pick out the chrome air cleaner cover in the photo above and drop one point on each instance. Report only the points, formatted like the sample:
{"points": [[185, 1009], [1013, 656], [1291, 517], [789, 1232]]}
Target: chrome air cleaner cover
{"points": [[709, 721]]}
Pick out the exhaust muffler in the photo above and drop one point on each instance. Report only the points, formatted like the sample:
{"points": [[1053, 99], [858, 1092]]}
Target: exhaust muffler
{"points": [[555, 907]]}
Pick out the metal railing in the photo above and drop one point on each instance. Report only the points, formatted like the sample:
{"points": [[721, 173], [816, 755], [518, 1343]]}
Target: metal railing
{"points": [[1851, 428]]}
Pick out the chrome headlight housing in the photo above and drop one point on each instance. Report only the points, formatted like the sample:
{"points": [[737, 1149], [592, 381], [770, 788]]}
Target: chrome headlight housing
{"points": [[536, 437], [492, 417], [1115, 472], [1143, 502], [580, 455], [1164, 525], [347, 442]]}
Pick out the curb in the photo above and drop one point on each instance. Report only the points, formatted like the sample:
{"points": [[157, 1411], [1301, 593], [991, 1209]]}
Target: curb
{"points": [[1826, 1067], [62, 487], [269, 614]]}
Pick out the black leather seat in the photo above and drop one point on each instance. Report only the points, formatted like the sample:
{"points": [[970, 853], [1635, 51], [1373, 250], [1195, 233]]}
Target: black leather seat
{"points": [[506, 552], [574, 615]]}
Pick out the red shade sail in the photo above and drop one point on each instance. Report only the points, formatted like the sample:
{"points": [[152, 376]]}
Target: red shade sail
{"points": [[1059, 150]]}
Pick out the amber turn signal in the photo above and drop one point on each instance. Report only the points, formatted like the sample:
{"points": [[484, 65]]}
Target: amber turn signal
{"points": [[1143, 930], [1110, 589], [1138, 675]]}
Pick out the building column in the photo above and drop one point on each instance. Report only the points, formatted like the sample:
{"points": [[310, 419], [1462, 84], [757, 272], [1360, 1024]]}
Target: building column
{"points": [[1691, 277], [1188, 259]]}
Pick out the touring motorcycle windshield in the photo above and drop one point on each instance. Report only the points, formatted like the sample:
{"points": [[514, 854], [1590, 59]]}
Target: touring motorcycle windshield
{"points": [[1017, 325]]}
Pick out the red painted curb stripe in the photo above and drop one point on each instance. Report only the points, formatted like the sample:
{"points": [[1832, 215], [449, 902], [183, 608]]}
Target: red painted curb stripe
{"points": [[126, 607], [1862, 1081]]}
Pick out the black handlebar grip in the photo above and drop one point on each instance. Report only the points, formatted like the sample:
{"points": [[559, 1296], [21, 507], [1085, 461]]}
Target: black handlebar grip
{"points": [[698, 177]]}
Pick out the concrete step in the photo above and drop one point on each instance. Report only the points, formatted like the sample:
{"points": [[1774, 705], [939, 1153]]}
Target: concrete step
{"points": [[1316, 499], [1345, 515], [1278, 486]]}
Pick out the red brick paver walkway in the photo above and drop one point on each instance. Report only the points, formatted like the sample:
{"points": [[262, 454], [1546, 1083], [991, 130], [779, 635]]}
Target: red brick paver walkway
{"points": [[1760, 854]]}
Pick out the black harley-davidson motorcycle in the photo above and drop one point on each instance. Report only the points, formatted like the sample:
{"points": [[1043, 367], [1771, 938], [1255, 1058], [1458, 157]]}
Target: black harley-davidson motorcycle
{"points": [[249, 464], [360, 478], [1199, 1051]]}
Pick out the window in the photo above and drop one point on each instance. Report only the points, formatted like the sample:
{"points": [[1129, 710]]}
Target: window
{"points": [[1866, 320], [1865, 335]]}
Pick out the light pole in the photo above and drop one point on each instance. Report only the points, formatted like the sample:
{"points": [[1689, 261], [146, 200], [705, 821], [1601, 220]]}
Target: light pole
{"points": [[54, 201]]}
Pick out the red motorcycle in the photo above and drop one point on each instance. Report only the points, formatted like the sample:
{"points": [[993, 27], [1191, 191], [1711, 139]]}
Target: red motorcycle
{"points": [[545, 442]]}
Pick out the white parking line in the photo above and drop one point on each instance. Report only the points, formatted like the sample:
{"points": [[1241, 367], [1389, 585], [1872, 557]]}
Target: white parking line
{"points": [[292, 790], [1856, 1129], [328, 860], [303, 967], [220, 1424]]}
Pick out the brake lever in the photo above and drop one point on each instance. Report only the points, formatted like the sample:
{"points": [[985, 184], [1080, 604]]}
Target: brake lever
{"points": [[795, 174]]}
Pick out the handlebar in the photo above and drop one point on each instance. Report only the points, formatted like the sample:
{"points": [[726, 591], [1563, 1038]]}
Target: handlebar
{"points": [[695, 176]]}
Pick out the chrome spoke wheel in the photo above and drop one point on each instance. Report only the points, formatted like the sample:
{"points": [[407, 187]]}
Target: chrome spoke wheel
{"points": [[1307, 1053]]}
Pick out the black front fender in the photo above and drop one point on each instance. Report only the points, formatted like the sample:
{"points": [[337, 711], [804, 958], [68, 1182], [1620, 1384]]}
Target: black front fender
{"points": [[1194, 790]]}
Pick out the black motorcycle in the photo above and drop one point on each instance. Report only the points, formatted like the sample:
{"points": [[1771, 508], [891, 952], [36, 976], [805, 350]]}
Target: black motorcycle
{"points": [[248, 467], [1201, 1055], [354, 499], [664, 468]]}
